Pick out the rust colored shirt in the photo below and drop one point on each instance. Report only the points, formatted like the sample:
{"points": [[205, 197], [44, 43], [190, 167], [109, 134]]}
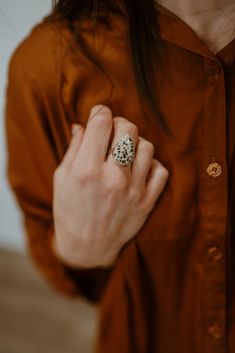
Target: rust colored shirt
{"points": [[172, 288]]}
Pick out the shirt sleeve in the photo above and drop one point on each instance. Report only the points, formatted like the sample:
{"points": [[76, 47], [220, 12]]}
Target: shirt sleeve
{"points": [[31, 161]]}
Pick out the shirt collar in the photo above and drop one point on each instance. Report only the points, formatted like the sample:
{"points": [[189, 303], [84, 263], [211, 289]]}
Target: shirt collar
{"points": [[173, 29]]}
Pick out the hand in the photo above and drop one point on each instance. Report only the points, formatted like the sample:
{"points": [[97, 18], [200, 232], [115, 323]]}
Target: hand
{"points": [[98, 205]]}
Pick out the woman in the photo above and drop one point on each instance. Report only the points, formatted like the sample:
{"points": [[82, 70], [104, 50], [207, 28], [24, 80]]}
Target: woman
{"points": [[147, 233]]}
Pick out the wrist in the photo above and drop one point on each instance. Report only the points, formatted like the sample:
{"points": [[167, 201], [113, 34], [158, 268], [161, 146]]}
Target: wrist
{"points": [[82, 265]]}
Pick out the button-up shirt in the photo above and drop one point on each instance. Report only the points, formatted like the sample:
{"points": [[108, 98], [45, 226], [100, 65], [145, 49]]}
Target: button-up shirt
{"points": [[172, 288]]}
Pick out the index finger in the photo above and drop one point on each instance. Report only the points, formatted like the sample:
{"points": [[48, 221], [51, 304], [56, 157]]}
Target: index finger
{"points": [[96, 138]]}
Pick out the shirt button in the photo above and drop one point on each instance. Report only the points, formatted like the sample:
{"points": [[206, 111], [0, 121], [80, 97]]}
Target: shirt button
{"points": [[214, 169], [215, 253], [215, 331]]}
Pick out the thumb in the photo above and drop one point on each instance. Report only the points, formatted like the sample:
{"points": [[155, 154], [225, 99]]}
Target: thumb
{"points": [[77, 132]]}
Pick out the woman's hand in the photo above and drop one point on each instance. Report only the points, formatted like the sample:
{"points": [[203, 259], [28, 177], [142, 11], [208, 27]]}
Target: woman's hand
{"points": [[98, 205]]}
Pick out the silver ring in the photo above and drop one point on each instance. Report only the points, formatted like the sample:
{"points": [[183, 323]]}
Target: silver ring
{"points": [[124, 151]]}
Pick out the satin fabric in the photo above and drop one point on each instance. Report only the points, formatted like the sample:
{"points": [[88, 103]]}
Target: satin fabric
{"points": [[172, 287]]}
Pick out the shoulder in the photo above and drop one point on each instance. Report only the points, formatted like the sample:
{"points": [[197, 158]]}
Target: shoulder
{"points": [[38, 55]]}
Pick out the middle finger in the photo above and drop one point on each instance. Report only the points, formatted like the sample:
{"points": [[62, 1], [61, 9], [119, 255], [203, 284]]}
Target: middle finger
{"points": [[121, 128]]}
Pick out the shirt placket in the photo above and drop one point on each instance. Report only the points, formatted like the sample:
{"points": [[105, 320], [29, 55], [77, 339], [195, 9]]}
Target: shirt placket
{"points": [[214, 208]]}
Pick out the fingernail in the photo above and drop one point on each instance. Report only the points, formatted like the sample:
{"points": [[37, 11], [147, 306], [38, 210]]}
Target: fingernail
{"points": [[74, 128], [95, 110]]}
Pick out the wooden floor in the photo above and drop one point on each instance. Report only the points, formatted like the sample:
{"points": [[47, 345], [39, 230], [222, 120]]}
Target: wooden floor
{"points": [[34, 318]]}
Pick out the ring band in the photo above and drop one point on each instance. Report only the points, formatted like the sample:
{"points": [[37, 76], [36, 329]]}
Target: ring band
{"points": [[124, 151]]}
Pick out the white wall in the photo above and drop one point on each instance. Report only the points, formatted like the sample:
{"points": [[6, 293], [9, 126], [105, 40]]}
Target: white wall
{"points": [[16, 19]]}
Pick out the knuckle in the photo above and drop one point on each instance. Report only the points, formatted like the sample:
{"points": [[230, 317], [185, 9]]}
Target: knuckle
{"points": [[128, 124], [134, 133], [87, 176], [101, 114], [148, 147], [101, 121], [133, 128], [164, 172], [117, 185], [119, 120]]}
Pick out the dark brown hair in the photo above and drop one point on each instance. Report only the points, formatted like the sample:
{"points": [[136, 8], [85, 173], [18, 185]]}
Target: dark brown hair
{"points": [[145, 42]]}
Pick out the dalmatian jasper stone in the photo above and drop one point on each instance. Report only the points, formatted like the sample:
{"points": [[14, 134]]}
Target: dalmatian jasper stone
{"points": [[123, 152]]}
